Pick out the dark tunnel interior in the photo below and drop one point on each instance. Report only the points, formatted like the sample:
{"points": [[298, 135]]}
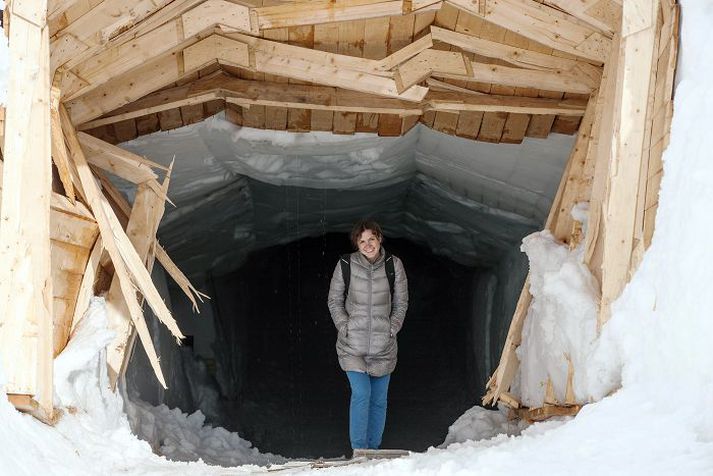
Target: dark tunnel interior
{"points": [[276, 339]]}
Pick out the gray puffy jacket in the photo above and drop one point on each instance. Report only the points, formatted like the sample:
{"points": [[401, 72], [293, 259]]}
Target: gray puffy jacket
{"points": [[366, 322]]}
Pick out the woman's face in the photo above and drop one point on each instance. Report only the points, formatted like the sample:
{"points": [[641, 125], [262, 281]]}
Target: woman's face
{"points": [[369, 245]]}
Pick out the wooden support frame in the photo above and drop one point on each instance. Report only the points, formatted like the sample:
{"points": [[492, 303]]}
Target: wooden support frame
{"points": [[25, 275]]}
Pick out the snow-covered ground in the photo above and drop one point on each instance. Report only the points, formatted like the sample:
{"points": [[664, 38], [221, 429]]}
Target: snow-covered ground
{"points": [[658, 343]]}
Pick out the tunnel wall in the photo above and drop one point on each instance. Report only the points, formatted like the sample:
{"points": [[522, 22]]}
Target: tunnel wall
{"points": [[496, 292]]}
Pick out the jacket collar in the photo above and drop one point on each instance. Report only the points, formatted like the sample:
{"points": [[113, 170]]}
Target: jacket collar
{"points": [[361, 259]]}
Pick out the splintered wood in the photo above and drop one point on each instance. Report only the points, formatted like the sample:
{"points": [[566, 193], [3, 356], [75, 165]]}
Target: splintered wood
{"points": [[615, 166]]}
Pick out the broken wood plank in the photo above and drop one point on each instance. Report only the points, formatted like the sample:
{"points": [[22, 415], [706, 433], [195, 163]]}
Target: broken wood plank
{"points": [[127, 264], [141, 229]]}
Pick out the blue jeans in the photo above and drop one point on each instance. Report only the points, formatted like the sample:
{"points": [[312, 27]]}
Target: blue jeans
{"points": [[367, 409]]}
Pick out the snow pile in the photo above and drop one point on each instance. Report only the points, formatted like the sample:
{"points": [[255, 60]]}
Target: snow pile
{"points": [[182, 437], [560, 329], [479, 423]]}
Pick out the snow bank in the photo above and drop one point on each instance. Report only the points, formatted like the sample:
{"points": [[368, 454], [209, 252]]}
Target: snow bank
{"points": [[182, 437], [479, 423]]}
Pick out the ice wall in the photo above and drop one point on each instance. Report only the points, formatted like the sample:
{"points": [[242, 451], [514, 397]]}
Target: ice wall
{"points": [[240, 189]]}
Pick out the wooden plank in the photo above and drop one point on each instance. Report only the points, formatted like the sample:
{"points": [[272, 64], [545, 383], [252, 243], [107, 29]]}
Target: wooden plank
{"points": [[59, 151], [218, 12], [444, 101], [368, 122], [389, 125], [170, 119], [25, 274], [116, 160], [299, 120], [215, 48], [604, 15], [578, 177], [469, 124], [147, 124], [125, 89], [515, 128], [344, 122], [491, 129], [143, 224], [86, 287], [446, 122], [192, 114], [430, 62], [316, 12], [276, 118], [96, 27], [127, 264], [518, 77], [620, 203], [400, 33], [566, 125], [125, 130], [321, 120], [545, 25], [376, 32], [516, 56]]}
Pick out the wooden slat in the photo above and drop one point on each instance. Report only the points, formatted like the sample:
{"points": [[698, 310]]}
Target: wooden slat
{"points": [[517, 77], [25, 274], [604, 15], [545, 25], [516, 56]]}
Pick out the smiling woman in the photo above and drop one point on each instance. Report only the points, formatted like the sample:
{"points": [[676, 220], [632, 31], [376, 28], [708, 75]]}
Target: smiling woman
{"points": [[368, 298]]}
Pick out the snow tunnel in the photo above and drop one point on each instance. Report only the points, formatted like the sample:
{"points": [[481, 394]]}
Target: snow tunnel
{"points": [[261, 218]]}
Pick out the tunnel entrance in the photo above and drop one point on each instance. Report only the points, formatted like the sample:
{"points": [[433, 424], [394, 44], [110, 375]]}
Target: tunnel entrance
{"points": [[277, 338]]}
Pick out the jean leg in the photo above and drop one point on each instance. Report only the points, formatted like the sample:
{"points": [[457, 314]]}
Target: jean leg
{"points": [[377, 410], [359, 408]]}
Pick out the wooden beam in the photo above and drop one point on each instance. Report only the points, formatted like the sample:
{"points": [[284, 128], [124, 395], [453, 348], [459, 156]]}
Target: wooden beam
{"points": [[127, 264], [430, 62], [295, 62], [543, 24], [447, 101], [604, 15], [520, 57], [25, 274], [567, 81], [327, 11], [59, 150], [90, 32], [324, 68], [639, 29], [320, 98]]}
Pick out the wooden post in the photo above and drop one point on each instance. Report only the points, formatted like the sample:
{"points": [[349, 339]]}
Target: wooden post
{"points": [[25, 276], [619, 209]]}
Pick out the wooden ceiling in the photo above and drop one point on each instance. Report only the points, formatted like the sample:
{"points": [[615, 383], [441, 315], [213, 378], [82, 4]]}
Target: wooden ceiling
{"points": [[491, 70]]}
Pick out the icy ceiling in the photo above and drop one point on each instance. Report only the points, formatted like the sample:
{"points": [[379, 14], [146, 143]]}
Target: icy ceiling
{"points": [[239, 189]]}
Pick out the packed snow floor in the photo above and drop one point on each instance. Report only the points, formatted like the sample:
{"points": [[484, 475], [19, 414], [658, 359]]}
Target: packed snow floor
{"points": [[658, 342]]}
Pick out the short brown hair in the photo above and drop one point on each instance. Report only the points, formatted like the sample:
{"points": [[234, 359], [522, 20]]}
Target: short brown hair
{"points": [[361, 226]]}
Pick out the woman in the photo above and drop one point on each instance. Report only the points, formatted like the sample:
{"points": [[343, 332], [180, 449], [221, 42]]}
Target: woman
{"points": [[368, 307]]}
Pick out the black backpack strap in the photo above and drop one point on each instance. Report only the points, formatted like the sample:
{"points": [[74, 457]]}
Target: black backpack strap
{"points": [[390, 272], [345, 261]]}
